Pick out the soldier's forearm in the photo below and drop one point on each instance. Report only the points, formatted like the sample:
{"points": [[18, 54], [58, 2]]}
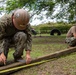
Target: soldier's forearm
{"points": [[74, 34], [28, 52]]}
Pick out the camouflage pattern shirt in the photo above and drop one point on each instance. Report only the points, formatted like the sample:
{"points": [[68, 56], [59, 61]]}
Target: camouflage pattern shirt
{"points": [[8, 30]]}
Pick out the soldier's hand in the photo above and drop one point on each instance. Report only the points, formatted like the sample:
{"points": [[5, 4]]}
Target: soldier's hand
{"points": [[3, 58], [28, 59]]}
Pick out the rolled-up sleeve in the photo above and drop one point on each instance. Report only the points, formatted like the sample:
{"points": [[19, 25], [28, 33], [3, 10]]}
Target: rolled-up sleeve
{"points": [[29, 38]]}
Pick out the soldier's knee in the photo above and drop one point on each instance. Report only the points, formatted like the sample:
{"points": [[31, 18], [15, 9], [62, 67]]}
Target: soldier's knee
{"points": [[21, 36], [72, 42]]}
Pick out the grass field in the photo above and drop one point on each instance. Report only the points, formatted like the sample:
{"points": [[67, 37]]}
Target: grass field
{"points": [[65, 65]]}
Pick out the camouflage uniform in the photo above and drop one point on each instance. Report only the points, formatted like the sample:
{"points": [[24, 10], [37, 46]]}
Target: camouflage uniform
{"points": [[9, 35], [70, 39]]}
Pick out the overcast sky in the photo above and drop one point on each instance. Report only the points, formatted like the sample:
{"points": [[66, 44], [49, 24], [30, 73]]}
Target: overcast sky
{"points": [[35, 20]]}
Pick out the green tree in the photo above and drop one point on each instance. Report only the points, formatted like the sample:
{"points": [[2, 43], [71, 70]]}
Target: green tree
{"points": [[67, 8]]}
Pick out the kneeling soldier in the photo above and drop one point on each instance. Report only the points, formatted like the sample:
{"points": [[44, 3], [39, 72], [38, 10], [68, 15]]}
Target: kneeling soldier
{"points": [[15, 29]]}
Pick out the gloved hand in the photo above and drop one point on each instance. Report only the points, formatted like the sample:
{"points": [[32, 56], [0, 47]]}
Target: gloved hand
{"points": [[2, 58]]}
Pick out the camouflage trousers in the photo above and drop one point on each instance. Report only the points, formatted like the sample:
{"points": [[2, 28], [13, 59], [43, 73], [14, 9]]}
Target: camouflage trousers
{"points": [[18, 41], [71, 41]]}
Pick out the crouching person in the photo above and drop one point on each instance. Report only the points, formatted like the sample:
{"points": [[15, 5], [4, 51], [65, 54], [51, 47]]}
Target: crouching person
{"points": [[16, 30], [71, 37]]}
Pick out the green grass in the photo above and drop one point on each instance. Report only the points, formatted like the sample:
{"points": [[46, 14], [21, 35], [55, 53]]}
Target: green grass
{"points": [[50, 35], [44, 49], [44, 45], [65, 65]]}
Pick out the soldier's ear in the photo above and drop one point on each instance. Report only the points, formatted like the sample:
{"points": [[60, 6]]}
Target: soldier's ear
{"points": [[12, 16]]}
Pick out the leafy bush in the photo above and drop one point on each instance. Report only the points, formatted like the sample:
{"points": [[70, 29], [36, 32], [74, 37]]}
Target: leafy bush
{"points": [[46, 28]]}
